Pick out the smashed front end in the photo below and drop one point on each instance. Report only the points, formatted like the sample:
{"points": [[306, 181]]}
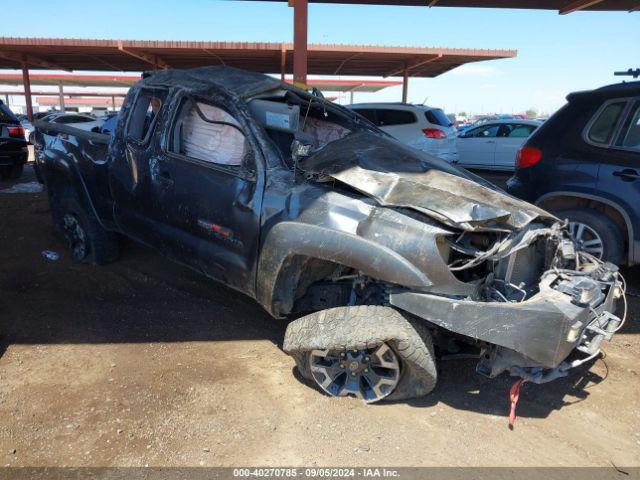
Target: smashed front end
{"points": [[503, 273], [537, 300]]}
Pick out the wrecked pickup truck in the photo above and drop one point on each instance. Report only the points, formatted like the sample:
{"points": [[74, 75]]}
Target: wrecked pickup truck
{"points": [[386, 256]]}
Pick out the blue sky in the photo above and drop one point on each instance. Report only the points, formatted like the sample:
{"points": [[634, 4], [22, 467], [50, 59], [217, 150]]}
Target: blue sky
{"points": [[556, 54]]}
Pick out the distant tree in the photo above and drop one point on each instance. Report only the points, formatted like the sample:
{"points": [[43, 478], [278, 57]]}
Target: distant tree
{"points": [[531, 113], [462, 114]]}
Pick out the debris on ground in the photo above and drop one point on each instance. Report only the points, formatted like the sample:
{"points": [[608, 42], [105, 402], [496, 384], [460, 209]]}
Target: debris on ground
{"points": [[28, 187], [51, 255]]}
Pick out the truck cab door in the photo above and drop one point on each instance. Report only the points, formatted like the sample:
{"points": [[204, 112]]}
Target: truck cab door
{"points": [[206, 190], [129, 172]]}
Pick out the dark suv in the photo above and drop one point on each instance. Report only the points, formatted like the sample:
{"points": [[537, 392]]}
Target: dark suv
{"points": [[583, 164], [13, 146]]}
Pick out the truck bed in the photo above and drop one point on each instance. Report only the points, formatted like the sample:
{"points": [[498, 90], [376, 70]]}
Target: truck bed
{"points": [[83, 156]]}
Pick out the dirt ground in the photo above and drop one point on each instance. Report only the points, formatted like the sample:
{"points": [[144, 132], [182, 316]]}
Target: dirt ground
{"points": [[145, 363]]}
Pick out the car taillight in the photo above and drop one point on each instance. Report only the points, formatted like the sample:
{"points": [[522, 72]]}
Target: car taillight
{"points": [[16, 132], [528, 157], [434, 133]]}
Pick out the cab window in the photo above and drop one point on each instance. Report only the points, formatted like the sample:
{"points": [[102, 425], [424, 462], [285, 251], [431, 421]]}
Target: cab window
{"points": [[209, 134], [144, 115]]}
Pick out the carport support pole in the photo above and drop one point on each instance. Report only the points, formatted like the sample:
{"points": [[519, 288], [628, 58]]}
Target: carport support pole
{"points": [[300, 21], [283, 62], [405, 84], [61, 94], [113, 102], [6, 99], [27, 90]]}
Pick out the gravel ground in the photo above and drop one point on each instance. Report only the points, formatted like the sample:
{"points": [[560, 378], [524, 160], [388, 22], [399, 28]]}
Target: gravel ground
{"points": [[145, 363]]}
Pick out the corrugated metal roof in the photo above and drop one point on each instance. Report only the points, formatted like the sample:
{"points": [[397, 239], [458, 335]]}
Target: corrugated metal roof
{"points": [[138, 55], [53, 79]]}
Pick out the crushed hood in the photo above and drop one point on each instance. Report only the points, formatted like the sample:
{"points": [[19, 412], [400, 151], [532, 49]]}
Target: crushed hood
{"points": [[398, 176]]}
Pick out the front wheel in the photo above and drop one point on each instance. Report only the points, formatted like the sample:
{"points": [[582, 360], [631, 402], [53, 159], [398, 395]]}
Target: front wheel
{"points": [[369, 352], [593, 232]]}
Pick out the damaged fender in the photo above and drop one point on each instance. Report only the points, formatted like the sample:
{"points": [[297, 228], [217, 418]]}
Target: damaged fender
{"points": [[288, 239]]}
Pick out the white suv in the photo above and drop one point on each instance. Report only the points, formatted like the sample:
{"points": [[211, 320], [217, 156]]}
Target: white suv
{"points": [[425, 128]]}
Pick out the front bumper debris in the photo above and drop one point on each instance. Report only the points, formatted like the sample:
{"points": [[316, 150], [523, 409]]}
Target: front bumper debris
{"points": [[572, 310]]}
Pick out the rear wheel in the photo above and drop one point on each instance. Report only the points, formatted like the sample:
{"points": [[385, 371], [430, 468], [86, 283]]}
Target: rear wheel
{"points": [[85, 238], [12, 172], [594, 233], [369, 352]]}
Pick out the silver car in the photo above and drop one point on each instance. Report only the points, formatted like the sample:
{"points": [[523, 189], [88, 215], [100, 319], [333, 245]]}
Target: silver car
{"points": [[494, 144]]}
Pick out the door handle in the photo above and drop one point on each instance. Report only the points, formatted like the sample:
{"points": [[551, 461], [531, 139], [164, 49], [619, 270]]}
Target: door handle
{"points": [[627, 174], [160, 174], [164, 177], [490, 141]]}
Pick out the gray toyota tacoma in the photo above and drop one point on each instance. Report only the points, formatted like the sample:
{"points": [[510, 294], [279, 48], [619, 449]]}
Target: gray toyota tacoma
{"points": [[383, 257]]}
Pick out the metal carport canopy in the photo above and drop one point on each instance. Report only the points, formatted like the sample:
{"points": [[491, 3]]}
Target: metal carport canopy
{"points": [[562, 6], [301, 13], [139, 55]]}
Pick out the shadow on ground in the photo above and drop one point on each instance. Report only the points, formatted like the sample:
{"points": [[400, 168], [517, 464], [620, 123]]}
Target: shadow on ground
{"points": [[143, 298]]}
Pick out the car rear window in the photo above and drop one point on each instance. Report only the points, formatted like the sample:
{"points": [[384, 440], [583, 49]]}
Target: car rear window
{"points": [[367, 113], [7, 115], [74, 119], [388, 117], [437, 117], [630, 136], [605, 123]]}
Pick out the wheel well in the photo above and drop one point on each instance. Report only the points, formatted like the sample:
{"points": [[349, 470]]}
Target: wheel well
{"points": [[58, 184], [308, 284], [555, 204], [297, 274]]}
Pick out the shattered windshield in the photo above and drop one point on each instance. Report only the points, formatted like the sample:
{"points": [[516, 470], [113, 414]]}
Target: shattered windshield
{"points": [[294, 118]]}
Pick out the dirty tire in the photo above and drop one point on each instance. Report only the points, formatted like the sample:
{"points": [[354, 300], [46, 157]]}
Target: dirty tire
{"points": [[612, 240], [102, 246], [360, 327], [13, 172]]}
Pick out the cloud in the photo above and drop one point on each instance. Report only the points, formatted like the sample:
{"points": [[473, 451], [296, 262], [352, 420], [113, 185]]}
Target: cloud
{"points": [[471, 69]]}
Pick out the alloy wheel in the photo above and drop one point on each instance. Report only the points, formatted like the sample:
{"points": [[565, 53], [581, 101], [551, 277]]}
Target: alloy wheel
{"points": [[586, 239], [369, 374], [75, 236]]}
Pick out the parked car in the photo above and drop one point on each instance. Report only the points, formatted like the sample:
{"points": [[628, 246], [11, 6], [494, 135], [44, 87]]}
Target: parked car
{"points": [[108, 124], [27, 126], [494, 145], [82, 121], [41, 115], [583, 164], [425, 128], [14, 151], [316, 213]]}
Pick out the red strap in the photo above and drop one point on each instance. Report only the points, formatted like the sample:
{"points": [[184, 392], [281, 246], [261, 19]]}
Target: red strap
{"points": [[514, 395]]}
